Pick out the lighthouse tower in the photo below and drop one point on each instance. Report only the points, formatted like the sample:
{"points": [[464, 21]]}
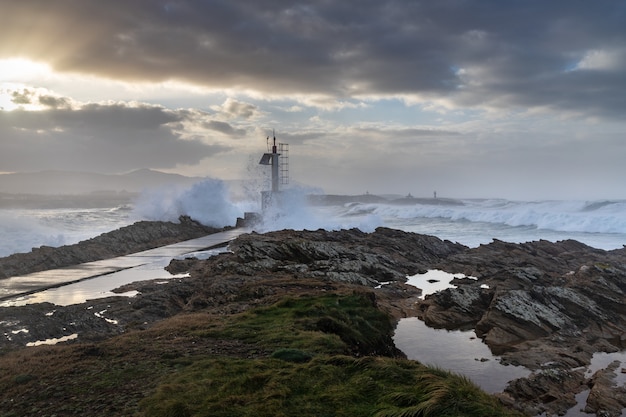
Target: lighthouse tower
{"points": [[278, 159]]}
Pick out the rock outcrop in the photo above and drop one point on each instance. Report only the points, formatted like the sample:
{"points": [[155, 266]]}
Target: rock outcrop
{"points": [[257, 269]]}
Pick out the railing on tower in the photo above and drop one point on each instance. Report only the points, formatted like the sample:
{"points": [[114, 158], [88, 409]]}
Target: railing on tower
{"points": [[283, 150]]}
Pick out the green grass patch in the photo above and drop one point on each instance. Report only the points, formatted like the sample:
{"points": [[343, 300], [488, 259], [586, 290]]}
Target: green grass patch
{"points": [[325, 386], [330, 324], [322, 364]]}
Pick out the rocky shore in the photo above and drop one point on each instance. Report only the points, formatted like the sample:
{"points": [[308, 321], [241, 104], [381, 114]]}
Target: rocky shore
{"points": [[134, 238], [547, 306]]}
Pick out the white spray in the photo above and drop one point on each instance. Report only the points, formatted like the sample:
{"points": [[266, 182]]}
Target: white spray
{"points": [[206, 201], [210, 202]]}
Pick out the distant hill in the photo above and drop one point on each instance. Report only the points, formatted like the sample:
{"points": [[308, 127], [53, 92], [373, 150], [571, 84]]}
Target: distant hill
{"points": [[79, 183], [334, 199]]}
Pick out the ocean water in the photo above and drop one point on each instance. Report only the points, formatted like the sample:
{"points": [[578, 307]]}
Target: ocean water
{"points": [[600, 224]]}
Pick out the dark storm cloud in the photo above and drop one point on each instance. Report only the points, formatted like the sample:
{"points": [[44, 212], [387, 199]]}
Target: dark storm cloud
{"points": [[96, 137], [21, 97], [224, 128], [54, 102], [492, 53]]}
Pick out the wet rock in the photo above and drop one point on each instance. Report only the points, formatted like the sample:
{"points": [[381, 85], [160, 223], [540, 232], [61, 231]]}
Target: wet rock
{"points": [[546, 391], [256, 270], [606, 398], [349, 256], [455, 308]]}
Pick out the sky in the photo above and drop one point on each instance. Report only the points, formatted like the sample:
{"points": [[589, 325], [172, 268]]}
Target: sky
{"points": [[488, 99]]}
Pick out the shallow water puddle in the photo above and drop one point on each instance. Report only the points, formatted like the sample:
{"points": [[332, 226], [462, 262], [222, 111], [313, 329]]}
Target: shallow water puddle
{"points": [[53, 341], [462, 352], [101, 286], [459, 351], [433, 281]]}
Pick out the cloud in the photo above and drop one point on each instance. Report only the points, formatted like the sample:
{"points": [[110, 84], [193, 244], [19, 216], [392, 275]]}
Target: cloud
{"points": [[453, 95], [30, 98], [54, 102], [99, 137], [511, 54], [603, 60], [21, 97], [232, 108], [478, 163], [224, 128]]}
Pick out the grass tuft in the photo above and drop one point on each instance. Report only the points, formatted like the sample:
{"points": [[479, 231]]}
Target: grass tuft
{"points": [[292, 355], [24, 378]]}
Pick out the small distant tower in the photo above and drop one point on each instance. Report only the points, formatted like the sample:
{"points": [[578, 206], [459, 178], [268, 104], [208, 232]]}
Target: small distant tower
{"points": [[280, 169]]}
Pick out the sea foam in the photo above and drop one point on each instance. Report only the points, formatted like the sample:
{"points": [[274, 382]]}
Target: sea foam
{"points": [[562, 216]]}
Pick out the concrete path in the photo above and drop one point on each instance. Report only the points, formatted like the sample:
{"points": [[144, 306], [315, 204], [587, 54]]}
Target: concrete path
{"points": [[38, 281]]}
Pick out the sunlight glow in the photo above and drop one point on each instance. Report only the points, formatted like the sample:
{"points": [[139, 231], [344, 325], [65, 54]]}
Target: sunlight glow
{"points": [[19, 96], [21, 70], [14, 74]]}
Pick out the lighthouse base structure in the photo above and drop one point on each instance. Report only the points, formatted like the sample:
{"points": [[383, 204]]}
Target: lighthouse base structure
{"points": [[270, 201]]}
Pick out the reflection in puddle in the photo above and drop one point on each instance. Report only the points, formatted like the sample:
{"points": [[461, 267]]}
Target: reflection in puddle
{"points": [[600, 360], [53, 341], [460, 352], [89, 289], [101, 286], [100, 315], [433, 281]]}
